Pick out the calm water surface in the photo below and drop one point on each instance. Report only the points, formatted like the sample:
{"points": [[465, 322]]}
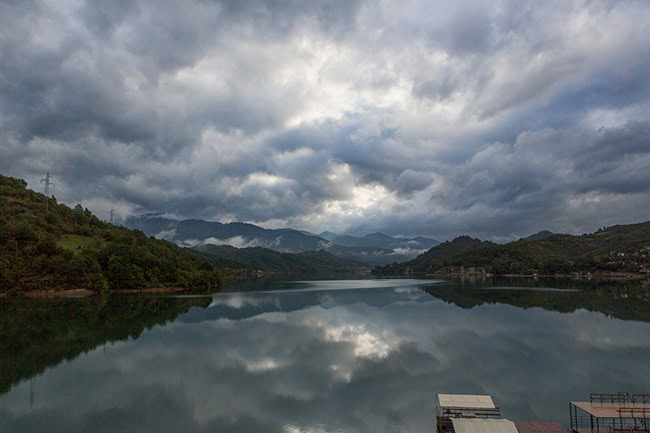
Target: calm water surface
{"points": [[317, 356]]}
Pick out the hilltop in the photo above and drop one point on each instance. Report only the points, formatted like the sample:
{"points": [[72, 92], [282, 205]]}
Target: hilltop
{"points": [[435, 256], [72, 249], [616, 249], [539, 236]]}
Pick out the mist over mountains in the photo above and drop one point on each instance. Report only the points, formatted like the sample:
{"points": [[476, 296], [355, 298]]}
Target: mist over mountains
{"points": [[379, 240], [373, 249]]}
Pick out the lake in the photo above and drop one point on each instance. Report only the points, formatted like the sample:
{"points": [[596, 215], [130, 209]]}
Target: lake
{"points": [[318, 356]]}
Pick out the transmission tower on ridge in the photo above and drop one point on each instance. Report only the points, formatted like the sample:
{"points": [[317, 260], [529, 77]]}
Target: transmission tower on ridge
{"points": [[48, 182]]}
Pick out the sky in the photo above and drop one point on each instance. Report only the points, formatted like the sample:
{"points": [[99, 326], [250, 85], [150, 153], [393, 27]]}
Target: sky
{"points": [[493, 119]]}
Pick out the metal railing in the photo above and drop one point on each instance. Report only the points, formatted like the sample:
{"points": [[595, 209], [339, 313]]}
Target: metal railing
{"points": [[634, 412], [627, 430], [466, 412], [581, 422], [619, 397]]}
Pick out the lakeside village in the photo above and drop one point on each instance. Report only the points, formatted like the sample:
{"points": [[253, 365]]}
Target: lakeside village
{"points": [[617, 264]]}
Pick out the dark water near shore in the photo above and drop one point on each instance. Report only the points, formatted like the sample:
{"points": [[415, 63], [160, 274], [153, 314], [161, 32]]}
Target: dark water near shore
{"points": [[318, 356]]}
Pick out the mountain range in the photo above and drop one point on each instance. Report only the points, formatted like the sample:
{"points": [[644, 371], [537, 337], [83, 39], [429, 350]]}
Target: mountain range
{"points": [[379, 240], [373, 249]]}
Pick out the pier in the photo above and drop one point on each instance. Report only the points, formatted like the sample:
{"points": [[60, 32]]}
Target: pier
{"points": [[611, 413], [464, 413]]}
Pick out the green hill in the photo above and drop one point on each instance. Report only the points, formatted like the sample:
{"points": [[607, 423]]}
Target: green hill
{"points": [[621, 248], [269, 261], [437, 256], [539, 236], [71, 249]]}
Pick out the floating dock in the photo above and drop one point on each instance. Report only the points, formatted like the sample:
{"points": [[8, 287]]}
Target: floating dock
{"points": [[611, 413], [465, 413]]}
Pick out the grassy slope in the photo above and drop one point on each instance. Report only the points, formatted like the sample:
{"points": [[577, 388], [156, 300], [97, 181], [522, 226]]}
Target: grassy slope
{"points": [[68, 249]]}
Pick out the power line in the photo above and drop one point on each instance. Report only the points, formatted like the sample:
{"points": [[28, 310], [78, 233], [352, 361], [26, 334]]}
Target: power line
{"points": [[48, 182]]}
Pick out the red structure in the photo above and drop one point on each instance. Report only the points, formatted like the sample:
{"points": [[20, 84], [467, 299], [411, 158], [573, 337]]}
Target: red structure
{"points": [[539, 427]]}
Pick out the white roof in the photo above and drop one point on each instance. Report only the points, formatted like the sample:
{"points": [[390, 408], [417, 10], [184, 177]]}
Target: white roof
{"points": [[466, 400], [474, 425]]}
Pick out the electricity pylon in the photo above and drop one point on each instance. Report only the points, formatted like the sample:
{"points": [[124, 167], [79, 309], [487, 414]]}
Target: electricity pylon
{"points": [[48, 182]]}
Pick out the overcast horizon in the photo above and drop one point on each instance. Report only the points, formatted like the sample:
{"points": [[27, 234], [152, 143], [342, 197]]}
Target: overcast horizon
{"points": [[414, 118]]}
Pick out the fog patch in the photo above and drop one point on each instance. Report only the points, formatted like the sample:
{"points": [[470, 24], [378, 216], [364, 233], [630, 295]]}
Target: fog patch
{"points": [[408, 251], [166, 235], [235, 241]]}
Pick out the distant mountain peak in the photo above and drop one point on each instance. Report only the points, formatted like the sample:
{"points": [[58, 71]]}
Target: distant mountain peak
{"points": [[463, 238], [539, 236], [329, 236], [378, 235], [374, 248]]}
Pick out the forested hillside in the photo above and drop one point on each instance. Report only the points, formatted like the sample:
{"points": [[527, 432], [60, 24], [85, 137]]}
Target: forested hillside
{"points": [[273, 262], [69, 249], [437, 255], [616, 249]]}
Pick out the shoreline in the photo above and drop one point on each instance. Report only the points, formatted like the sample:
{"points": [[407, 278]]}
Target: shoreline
{"points": [[84, 293], [151, 290], [594, 276], [66, 293]]}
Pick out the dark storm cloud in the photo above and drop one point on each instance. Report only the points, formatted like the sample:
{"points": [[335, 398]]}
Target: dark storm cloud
{"points": [[528, 183], [81, 84], [420, 119], [410, 181]]}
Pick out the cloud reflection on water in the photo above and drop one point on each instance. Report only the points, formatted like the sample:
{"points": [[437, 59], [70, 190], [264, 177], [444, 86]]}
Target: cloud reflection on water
{"points": [[334, 360]]}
